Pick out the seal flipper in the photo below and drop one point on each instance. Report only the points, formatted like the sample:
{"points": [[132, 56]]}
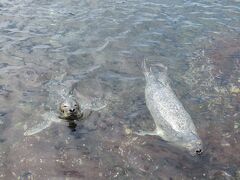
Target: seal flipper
{"points": [[38, 128], [97, 104], [51, 116], [156, 132], [85, 114], [161, 75], [144, 133], [146, 71]]}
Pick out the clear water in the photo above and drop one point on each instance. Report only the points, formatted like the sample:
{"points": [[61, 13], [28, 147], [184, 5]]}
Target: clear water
{"points": [[41, 41]]}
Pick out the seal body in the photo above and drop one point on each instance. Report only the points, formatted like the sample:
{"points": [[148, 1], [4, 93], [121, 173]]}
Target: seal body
{"points": [[60, 95], [63, 105], [69, 111], [173, 123]]}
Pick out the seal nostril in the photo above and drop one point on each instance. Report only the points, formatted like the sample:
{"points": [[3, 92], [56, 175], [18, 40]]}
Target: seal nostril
{"points": [[199, 151], [71, 110]]}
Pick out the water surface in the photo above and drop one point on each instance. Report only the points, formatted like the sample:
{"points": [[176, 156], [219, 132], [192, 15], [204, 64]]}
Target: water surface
{"points": [[42, 41]]}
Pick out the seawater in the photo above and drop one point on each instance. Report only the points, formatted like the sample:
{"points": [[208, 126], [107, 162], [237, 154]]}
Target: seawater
{"points": [[43, 41]]}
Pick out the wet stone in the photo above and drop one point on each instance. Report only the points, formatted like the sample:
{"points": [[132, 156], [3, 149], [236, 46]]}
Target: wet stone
{"points": [[237, 176], [117, 172], [222, 175], [26, 176]]}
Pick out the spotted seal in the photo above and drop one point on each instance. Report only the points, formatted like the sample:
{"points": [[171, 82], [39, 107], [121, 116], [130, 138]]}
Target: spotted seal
{"points": [[63, 105], [173, 123], [69, 110]]}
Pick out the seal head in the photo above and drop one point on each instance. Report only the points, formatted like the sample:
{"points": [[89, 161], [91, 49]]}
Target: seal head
{"points": [[70, 109], [191, 142], [194, 146]]}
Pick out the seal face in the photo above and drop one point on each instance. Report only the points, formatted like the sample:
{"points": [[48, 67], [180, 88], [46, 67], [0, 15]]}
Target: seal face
{"points": [[70, 109], [173, 123]]}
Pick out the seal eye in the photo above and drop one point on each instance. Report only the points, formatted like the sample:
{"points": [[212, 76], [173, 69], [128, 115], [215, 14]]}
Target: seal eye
{"points": [[64, 106]]}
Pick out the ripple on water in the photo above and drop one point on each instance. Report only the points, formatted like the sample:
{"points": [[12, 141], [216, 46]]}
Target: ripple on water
{"points": [[42, 40]]}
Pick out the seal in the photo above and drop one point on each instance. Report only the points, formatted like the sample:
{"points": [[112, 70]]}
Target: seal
{"points": [[69, 110], [63, 105], [173, 123]]}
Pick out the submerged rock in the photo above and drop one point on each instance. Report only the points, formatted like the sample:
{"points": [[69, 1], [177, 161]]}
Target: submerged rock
{"points": [[26, 176]]}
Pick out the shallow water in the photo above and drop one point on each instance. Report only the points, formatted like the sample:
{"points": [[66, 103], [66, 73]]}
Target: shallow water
{"points": [[101, 44]]}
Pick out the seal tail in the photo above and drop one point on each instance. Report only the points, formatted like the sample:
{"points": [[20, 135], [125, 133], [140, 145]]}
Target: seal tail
{"points": [[161, 74], [146, 71], [164, 68]]}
